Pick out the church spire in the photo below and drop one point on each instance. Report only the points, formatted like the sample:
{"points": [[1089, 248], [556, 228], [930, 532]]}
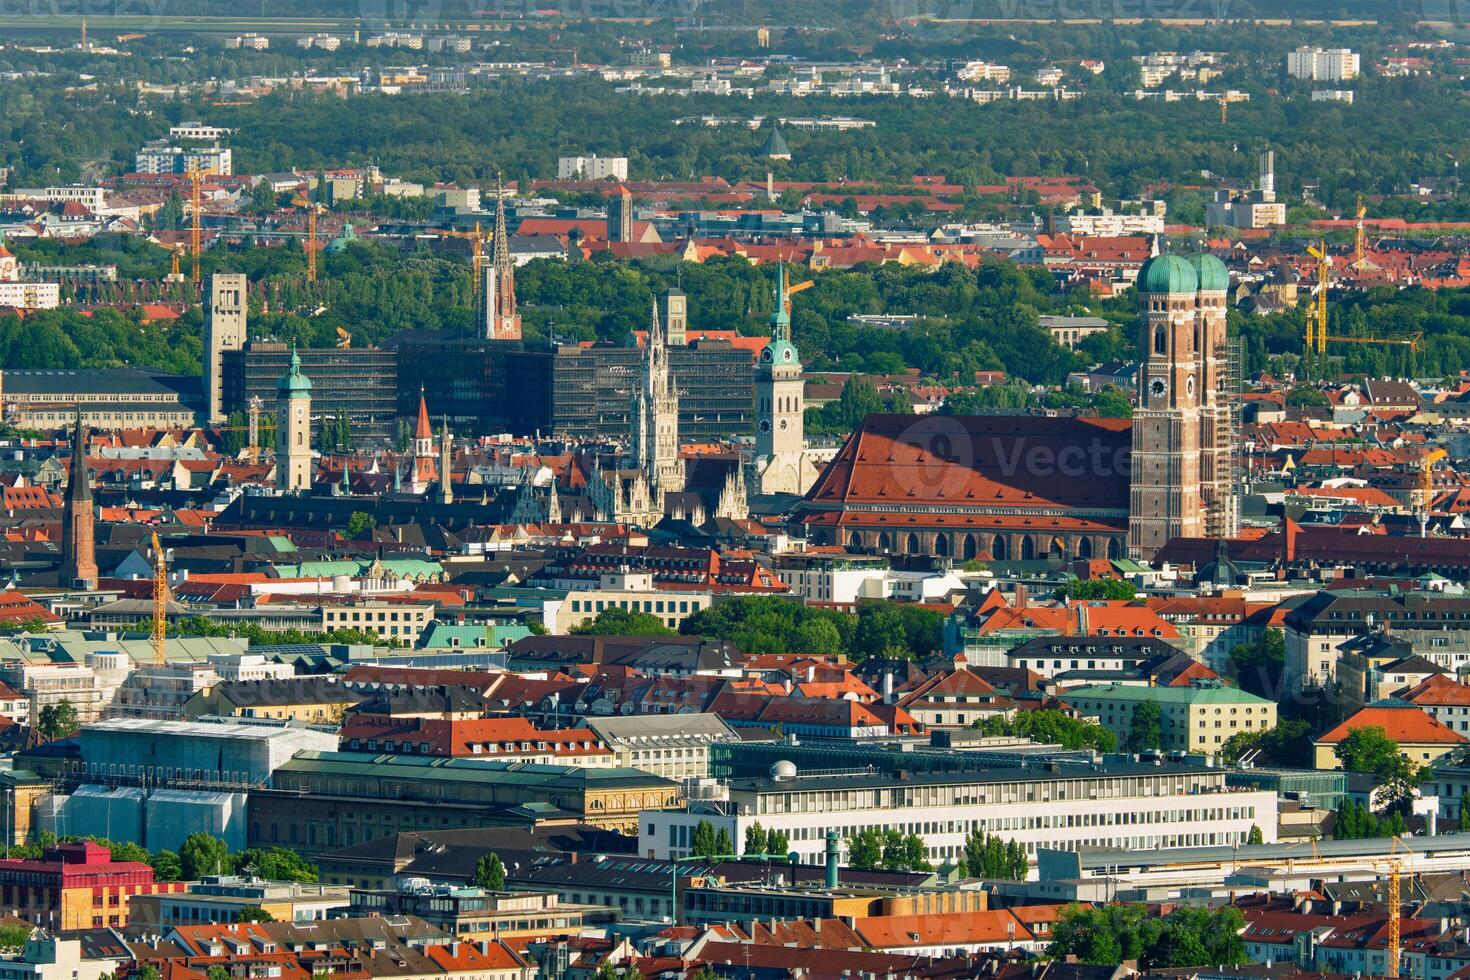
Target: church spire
{"points": [[78, 547], [503, 322]]}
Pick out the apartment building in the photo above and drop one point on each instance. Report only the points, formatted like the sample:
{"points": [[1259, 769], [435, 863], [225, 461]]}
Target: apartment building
{"points": [[1323, 64]]}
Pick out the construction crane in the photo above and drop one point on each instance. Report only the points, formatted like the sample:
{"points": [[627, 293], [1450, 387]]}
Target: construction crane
{"points": [[477, 262], [160, 603], [793, 290], [253, 452], [1224, 110], [1317, 336], [196, 209], [344, 339], [124, 38], [1360, 237], [1393, 953], [310, 244], [1317, 310], [1426, 485]]}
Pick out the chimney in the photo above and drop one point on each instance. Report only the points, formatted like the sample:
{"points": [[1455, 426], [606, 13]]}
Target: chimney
{"points": [[770, 186], [833, 853], [888, 687], [1020, 595]]}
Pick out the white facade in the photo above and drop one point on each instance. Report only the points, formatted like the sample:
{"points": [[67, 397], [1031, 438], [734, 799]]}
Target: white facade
{"points": [[1322, 64], [1137, 807], [1109, 224], [592, 168], [161, 158], [197, 131]]}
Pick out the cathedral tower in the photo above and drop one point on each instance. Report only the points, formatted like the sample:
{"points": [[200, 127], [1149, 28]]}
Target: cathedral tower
{"points": [[78, 539], [502, 322], [1181, 483], [655, 417], [781, 465], [293, 429]]}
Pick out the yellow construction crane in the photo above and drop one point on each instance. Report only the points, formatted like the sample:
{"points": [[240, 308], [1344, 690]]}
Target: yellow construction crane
{"points": [[1360, 237], [125, 38], [1224, 110], [1425, 492], [477, 263], [196, 209], [1394, 951], [311, 214], [160, 604], [793, 290], [344, 339], [1317, 336], [1317, 310]]}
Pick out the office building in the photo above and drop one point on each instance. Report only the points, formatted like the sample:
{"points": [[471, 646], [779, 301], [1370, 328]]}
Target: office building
{"points": [[714, 379], [358, 382], [76, 886], [482, 387], [1199, 718], [1138, 805]]}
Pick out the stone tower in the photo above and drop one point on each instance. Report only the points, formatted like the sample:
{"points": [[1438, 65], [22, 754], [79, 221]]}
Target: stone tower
{"points": [[620, 216], [224, 329], [293, 429], [655, 417], [446, 465], [781, 464], [1180, 480], [675, 315], [78, 538], [502, 322]]}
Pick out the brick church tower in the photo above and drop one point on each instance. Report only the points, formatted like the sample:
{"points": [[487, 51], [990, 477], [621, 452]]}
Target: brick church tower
{"points": [[78, 535], [1181, 483]]}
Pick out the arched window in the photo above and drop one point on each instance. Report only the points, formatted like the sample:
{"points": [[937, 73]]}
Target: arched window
{"points": [[1161, 342], [884, 543], [941, 545], [1084, 547], [911, 546], [1028, 549], [1115, 551], [998, 548], [968, 549]]}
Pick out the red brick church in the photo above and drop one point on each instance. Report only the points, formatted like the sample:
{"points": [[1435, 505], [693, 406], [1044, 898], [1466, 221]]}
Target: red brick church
{"points": [[1010, 487]]}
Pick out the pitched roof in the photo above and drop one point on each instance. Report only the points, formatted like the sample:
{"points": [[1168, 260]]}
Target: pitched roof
{"points": [[1405, 724]]}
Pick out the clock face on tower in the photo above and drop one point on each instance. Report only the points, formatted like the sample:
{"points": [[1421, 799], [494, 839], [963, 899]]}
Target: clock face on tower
{"points": [[766, 354], [786, 354], [1158, 387], [765, 425], [300, 411], [783, 425]]}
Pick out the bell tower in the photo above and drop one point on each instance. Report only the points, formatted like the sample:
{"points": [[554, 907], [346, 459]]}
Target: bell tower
{"points": [[781, 465], [293, 429], [1165, 499]]}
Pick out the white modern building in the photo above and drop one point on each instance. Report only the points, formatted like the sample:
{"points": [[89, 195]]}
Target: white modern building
{"points": [[1322, 64], [1133, 806], [198, 132], [160, 157], [592, 168]]}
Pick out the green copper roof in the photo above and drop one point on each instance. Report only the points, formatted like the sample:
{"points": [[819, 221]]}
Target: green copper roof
{"points": [[293, 383], [1167, 273], [348, 236], [1211, 272]]}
